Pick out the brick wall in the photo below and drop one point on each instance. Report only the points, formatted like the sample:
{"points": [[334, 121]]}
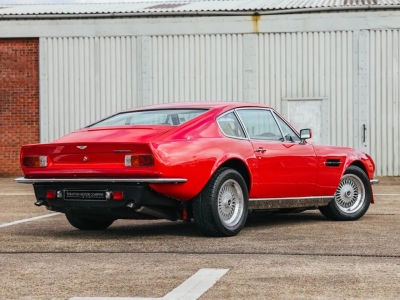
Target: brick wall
{"points": [[19, 100]]}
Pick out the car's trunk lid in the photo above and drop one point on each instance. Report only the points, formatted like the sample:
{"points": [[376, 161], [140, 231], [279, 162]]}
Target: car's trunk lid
{"points": [[93, 150]]}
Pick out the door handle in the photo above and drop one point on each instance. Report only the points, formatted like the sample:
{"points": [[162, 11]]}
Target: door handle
{"points": [[261, 150]]}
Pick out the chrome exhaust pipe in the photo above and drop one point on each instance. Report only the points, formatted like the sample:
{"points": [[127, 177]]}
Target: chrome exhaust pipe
{"points": [[374, 181], [130, 205], [158, 213], [40, 202]]}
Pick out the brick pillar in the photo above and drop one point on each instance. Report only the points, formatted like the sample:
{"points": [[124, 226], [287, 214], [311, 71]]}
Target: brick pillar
{"points": [[19, 100]]}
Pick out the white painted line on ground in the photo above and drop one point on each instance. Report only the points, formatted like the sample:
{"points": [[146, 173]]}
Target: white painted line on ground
{"points": [[112, 298], [28, 220], [197, 285], [386, 194], [191, 289]]}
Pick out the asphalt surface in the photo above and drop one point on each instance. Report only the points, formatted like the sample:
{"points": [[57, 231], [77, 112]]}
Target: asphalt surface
{"points": [[274, 257]]}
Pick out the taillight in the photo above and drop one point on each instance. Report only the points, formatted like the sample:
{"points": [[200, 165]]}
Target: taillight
{"points": [[51, 194], [34, 161], [118, 195], [139, 160]]}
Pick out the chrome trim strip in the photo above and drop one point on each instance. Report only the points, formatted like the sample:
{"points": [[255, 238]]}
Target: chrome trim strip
{"points": [[294, 198], [127, 180], [374, 181]]}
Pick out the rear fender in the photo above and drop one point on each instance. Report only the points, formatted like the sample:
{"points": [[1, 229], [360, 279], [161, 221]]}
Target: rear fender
{"points": [[229, 157], [198, 179]]}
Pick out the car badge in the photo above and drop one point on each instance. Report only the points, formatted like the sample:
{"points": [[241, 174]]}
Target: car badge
{"points": [[85, 159], [81, 147]]}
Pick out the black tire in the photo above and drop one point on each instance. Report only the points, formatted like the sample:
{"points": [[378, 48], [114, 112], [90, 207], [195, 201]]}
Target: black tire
{"points": [[205, 205], [88, 224], [336, 210]]}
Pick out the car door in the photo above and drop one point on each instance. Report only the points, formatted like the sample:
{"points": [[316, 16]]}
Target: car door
{"points": [[286, 167]]}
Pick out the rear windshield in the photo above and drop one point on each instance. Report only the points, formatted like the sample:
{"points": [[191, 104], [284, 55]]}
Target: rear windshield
{"points": [[151, 117]]}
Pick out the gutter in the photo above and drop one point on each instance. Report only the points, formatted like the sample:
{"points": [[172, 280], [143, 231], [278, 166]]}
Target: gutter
{"points": [[197, 13]]}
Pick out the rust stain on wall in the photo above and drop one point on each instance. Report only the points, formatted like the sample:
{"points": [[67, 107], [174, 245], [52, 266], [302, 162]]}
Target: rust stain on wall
{"points": [[254, 21]]}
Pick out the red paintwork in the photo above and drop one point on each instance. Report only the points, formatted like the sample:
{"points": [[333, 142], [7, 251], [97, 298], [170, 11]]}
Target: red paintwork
{"points": [[286, 170], [194, 150]]}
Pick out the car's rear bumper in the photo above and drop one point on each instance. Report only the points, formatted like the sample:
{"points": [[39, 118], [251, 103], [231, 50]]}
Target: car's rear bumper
{"points": [[103, 180], [374, 181], [136, 197]]}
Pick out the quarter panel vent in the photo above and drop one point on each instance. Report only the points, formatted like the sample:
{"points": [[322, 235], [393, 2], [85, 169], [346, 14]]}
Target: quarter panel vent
{"points": [[333, 162]]}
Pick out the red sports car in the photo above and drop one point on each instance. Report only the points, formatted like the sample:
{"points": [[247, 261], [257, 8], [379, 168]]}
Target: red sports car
{"points": [[214, 162]]}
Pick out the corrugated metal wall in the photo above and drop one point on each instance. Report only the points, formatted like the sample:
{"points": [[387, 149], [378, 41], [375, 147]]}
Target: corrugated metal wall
{"points": [[384, 100], [197, 68], [84, 79], [308, 66], [283, 65]]}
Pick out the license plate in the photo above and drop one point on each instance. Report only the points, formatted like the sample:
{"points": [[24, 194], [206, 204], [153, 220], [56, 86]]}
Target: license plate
{"points": [[85, 195]]}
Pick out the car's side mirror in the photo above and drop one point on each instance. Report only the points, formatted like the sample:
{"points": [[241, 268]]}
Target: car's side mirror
{"points": [[305, 134]]}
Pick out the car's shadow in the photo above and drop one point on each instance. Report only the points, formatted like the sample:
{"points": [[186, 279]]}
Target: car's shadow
{"points": [[262, 220], [128, 229]]}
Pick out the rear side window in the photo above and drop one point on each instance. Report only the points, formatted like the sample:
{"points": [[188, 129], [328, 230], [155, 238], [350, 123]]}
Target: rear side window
{"points": [[230, 126], [151, 117]]}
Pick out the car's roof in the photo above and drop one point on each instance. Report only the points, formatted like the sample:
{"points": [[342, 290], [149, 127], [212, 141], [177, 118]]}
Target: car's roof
{"points": [[201, 104]]}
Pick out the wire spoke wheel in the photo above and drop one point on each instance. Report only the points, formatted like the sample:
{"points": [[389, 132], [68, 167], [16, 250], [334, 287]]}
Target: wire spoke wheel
{"points": [[221, 208], [350, 194], [230, 203]]}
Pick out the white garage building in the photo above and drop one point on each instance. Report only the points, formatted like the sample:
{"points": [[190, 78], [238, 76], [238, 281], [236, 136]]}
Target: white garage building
{"points": [[332, 65]]}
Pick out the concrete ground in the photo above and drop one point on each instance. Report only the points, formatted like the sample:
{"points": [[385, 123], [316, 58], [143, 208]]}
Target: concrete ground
{"points": [[275, 257]]}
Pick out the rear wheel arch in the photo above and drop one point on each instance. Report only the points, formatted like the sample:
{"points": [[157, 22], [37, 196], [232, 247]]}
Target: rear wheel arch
{"points": [[239, 166]]}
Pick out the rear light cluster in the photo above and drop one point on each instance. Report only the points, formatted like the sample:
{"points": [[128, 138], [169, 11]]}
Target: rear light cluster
{"points": [[51, 194], [116, 195], [34, 161], [139, 160]]}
